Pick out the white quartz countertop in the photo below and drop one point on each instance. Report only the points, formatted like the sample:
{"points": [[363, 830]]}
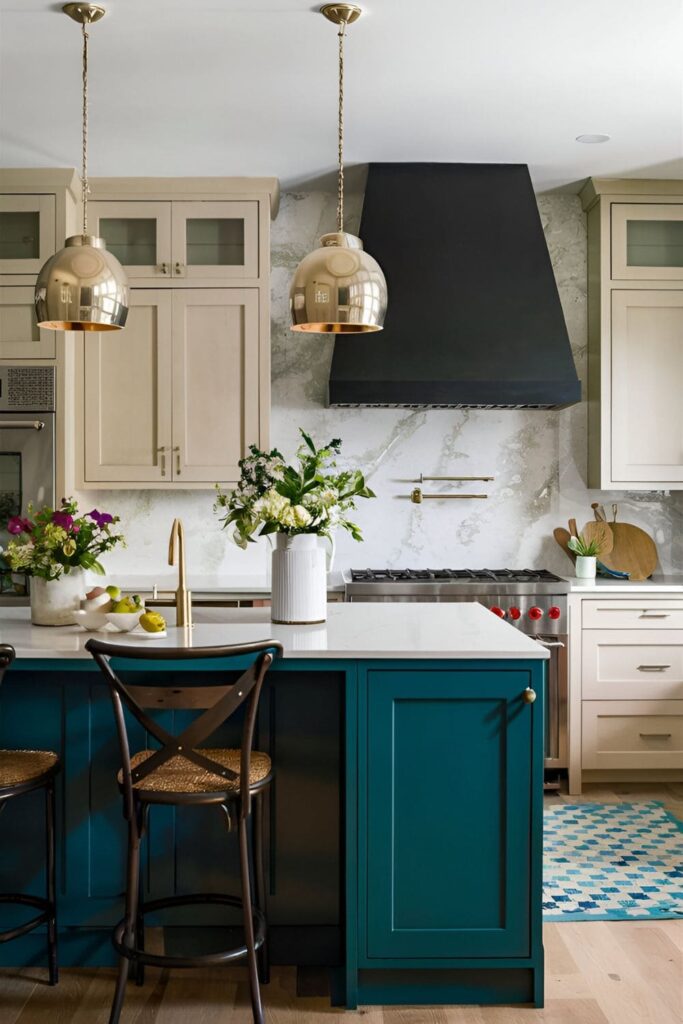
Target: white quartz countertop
{"points": [[231, 586], [602, 586], [391, 630]]}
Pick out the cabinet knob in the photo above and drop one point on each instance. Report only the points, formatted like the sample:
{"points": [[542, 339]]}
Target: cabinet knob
{"points": [[178, 268], [163, 268], [529, 695]]}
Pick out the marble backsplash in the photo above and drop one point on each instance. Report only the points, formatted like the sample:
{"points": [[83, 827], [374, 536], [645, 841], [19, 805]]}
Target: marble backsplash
{"points": [[538, 458]]}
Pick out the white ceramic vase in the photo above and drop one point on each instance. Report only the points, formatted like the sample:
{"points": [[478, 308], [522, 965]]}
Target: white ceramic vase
{"points": [[299, 579], [53, 602], [586, 567]]}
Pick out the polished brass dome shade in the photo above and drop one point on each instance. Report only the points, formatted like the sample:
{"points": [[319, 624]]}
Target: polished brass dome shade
{"points": [[338, 289], [82, 288]]}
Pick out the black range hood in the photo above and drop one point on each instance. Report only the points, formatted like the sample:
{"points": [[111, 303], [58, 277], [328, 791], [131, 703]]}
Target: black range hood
{"points": [[474, 317]]}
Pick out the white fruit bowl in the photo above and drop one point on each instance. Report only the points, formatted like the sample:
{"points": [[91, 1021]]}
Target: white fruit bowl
{"points": [[90, 619], [124, 621]]}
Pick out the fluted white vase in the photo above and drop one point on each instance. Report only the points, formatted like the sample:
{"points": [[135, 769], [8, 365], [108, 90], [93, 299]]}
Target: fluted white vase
{"points": [[299, 580], [53, 602]]}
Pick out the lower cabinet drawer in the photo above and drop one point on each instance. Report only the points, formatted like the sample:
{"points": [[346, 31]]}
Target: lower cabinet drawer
{"points": [[631, 665], [632, 734], [644, 613]]}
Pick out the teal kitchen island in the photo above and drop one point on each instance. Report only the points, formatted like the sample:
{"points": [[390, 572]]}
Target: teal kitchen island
{"points": [[404, 826]]}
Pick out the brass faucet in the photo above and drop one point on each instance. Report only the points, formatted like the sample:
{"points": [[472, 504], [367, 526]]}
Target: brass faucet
{"points": [[183, 596]]}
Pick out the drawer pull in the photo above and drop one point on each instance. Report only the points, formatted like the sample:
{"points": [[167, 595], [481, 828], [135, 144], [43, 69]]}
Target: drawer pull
{"points": [[653, 668], [655, 735], [654, 615]]}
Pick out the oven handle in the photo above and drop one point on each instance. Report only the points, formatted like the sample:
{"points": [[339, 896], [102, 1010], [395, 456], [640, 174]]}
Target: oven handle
{"points": [[21, 425], [549, 643]]}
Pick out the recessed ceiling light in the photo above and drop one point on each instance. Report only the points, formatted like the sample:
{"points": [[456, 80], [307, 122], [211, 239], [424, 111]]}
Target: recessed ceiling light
{"points": [[592, 139]]}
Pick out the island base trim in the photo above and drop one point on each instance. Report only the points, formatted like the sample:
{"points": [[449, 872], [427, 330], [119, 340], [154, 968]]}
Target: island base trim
{"points": [[443, 987]]}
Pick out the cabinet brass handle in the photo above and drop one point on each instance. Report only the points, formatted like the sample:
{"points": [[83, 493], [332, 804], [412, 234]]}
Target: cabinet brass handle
{"points": [[177, 459], [653, 668], [655, 735], [654, 615], [529, 695], [163, 268], [162, 460], [178, 269]]}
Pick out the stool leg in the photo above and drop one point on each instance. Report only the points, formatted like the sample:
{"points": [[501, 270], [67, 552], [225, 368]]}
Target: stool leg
{"points": [[51, 883], [132, 883], [260, 885], [256, 1007], [140, 934]]}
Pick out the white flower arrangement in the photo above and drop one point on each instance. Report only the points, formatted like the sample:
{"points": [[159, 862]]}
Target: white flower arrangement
{"points": [[273, 497]]}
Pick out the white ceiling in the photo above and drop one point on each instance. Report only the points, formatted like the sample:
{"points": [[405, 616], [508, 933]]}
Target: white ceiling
{"points": [[222, 87]]}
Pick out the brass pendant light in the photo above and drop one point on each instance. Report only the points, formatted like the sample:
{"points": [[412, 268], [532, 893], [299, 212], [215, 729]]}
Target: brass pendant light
{"points": [[339, 288], [82, 287]]}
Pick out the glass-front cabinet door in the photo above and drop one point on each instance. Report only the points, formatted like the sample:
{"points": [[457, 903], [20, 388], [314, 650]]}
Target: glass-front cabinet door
{"points": [[215, 243], [138, 234], [27, 232], [647, 241]]}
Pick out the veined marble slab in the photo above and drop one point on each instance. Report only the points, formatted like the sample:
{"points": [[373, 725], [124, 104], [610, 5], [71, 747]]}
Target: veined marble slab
{"points": [[393, 631]]}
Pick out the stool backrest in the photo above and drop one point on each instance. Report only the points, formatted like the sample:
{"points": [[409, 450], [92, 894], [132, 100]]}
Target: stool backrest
{"points": [[218, 700], [7, 656]]}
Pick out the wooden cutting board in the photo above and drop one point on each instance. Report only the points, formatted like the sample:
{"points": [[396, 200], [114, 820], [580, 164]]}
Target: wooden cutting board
{"points": [[634, 551], [602, 533], [562, 537]]}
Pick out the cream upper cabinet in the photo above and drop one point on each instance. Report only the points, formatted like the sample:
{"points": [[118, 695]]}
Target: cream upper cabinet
{"points": [[127, 396], [215, 381], [174, 400], [635, 334], [215, 243], [647, 241], [27, 232], [647, 380], [138, 234], [20, 336], [181, 244]]}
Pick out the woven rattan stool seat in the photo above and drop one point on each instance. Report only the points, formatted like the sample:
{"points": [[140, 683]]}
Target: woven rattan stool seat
{"points": [[17, 766], [178, 775]]}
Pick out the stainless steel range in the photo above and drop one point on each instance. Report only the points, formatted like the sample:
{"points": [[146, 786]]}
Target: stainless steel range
{"points": [[534, 601]]}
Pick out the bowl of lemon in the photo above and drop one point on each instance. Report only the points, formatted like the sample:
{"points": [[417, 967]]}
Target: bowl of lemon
{"points": [[125, 613]]}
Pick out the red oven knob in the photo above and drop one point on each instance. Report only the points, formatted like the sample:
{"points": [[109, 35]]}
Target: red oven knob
{"points": [[535, 612], [554, 612], [497, 611], [514, 612]]}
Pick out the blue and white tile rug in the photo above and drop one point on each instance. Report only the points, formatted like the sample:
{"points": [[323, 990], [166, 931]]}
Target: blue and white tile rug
{"points": [[611, 862]]}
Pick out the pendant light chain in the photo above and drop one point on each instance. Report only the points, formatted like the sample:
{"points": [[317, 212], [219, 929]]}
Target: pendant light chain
{"points": [[84, 151], [340, 187]]}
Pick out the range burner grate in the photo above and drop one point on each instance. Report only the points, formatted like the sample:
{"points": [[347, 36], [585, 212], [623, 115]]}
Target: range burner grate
{"points": [[459, 575]]}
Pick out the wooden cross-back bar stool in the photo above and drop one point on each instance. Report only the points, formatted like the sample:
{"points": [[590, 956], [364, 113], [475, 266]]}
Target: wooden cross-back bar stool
{"points": [[183, 772], [24, 771]]}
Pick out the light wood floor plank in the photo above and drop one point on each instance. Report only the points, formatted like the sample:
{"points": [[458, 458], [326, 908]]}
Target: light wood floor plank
{"points": [[16, 988]]}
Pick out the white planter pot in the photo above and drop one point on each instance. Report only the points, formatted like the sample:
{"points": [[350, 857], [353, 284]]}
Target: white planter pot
{"points": [[299, 583], [53, 602], [586, 567]]}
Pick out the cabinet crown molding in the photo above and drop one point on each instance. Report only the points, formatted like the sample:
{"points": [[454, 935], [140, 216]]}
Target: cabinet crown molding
{"points": [[629, 188]]}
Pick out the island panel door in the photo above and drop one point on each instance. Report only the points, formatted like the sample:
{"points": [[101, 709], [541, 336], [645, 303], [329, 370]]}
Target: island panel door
{"points": [[448, 814]]}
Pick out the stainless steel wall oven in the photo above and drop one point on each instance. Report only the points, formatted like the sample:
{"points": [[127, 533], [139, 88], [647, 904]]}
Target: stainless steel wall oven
{"points": [[27, 450]]}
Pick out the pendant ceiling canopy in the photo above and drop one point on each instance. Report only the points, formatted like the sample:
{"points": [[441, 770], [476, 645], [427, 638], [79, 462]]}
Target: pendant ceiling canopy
{"points": [[82, 287], [339, 288]]}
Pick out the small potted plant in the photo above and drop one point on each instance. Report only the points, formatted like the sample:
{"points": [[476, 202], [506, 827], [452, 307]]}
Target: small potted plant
{"points": [[56, 547], [300, 506], [586, 552]]}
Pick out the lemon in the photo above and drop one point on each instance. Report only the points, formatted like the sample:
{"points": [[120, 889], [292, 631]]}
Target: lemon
{"points": [[114, 592], [152, 622], [126, 605]]}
